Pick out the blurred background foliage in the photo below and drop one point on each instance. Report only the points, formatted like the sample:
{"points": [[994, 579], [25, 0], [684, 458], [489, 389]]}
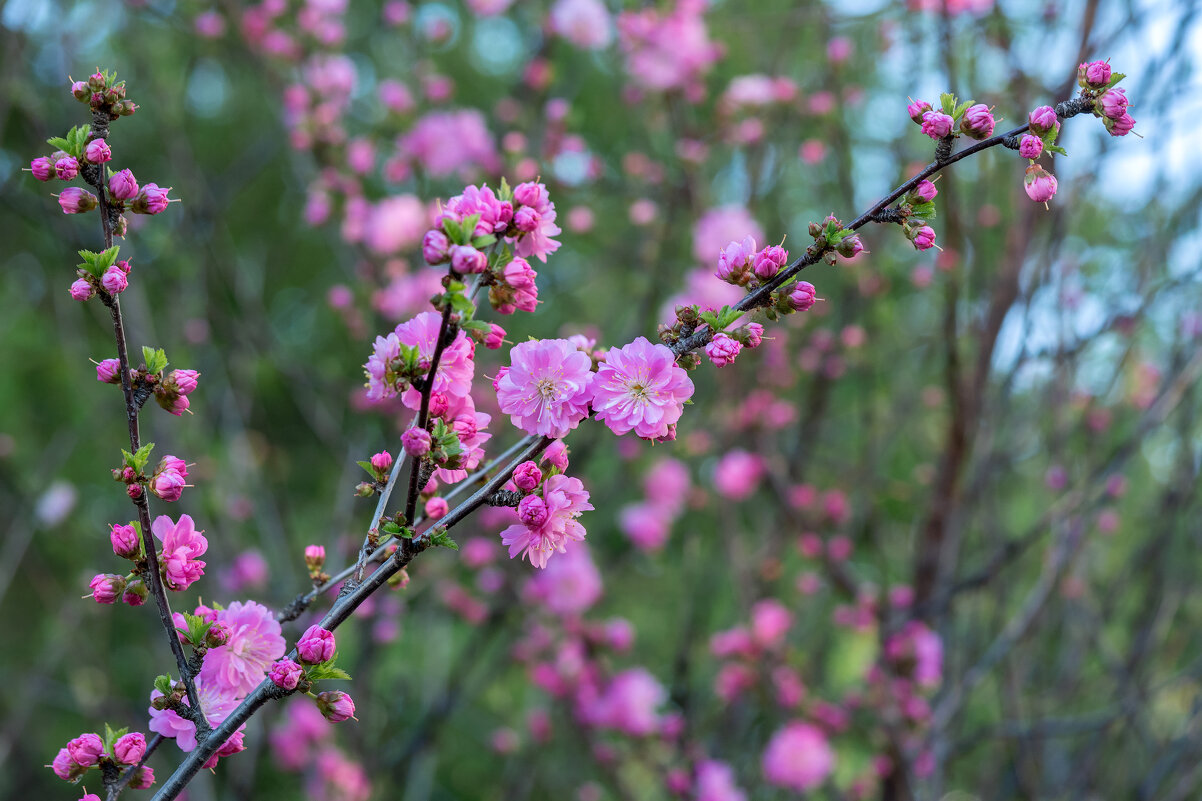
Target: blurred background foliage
{"points": [[984, 396]]}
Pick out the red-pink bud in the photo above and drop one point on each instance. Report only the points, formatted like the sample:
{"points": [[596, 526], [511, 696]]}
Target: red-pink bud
{"points": [[924, 238], [130, 748], [142, 779], [802, 296], [1030, 146], [136, 593], [416, 441], [936, 124], [82, 289], [125, 542], [98, 152], [152, 199], [1042, 119], [75, 200], [315, 557], [1120, 127], [86, 749], [285, 674], [466, 259], [336, 706], [1039, 183], [495, 337], [767, 262], [106, 589], [184, 381], [977, 122], [917, 109], [381, 461], [42, 168], [114, 281], [123, 185], [1113, 104], [527, 476], [168, 485], [109, 371], [1094, 75], [440, 404], [435, 246], [316, 645], [81, 90], [66, 168], [532, 511], [722, 349]]}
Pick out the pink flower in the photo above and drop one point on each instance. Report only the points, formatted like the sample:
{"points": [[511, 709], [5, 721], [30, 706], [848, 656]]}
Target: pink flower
{"points": [[925, 192], [130, 748], [216, 703], [640, 388], [316, 645], [527, 476], [936, 124], [1096, 74], [394, 224], [924, 238], [255, 642], [802, 296], [584, 23], [798, 757], [494, 214], [737, 474], [125, 541], [107, 587], [769, 261], [1113, 104], [285, 674], [74, 200], [435, 247], [770, 621], [184, 381], [547, 388], [563, 500], [381, 461], [630, 702], [977, 122], [667, 51], [66, 168], [1039, 184], [86, 749], [168, 485], [716, 782], [455, 368], [568, 586], [42, 168], [1042, 119], [495, 337], [152, 199], [537, 243], [336, 706], [114, 281], [81, 290], [416, 441], [437, 507], [734, 260], [1120, 127], [469, 425], [647, 525], [1029, 147], [917, 110], [98, 152], [448, 142], [65, 767], [722, 349]]}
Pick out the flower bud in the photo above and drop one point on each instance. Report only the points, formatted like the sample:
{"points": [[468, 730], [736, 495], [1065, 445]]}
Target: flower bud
{"points": [[381, 461], [96, 82], [925, 192], [556, 455], [123, 185], [86, 749], [1039, 183], [495, 337], [532, 511], [722, 349], [106, 589], [754, 332], [66, 168], [285, 674], [81, 290], [416, 441], [1120, 127], [114, 281], [1093, 75], [184, 381], [365, 489], [1042, 119], [1113, 104], [65, 767], [435, 246], [315, 557], [98, 152], [125, 108], [1029, 147], [923, 238], [168, 485], [218, 635], [109, 371], [336, 706], [802, 296], [767, 262], [152, 199], [42, 168], [849, 246], [142, 779], [130, 748], [937, 125], [136, 593], [437, 507], [81, 90], [466, 259], [518, 274], [439, 404], [526, 219], [527, 476], [917, 109], [125, 542], [316, 645], [977, 122], [75, 200]]}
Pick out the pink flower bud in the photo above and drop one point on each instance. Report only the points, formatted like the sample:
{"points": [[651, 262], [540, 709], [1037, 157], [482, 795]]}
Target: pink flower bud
{"points": [[435, 246], [925, 192], [1042, 119], [416, 441], [75, 200], [437, 507], [755, 334], [527, 476], [315, 557], [81, 90], [114, 281], [86, 749], [109, 371], [151, 200], [125, 541], [495, 337], [89, 797], [336, 705], [1113, 104], [82, 289], [130, 748], [936, 124], [850, 246], [1039, 183], [519, 274], [769, 261], [168, 485], [557, 455], [106, 589], [42, 168], [1030, 147], [218, 635], [285, 674], [65, 767], [532, 511], [184, 381], [136, 593], [66, 168], [924, 238], [439, 404], [381, 461], [1120, 127], [316, 645], [98, 152], [722, 349], [466, 259], [1095, 74], [917, 109], [977, 122], [142, 779], [802, 296], [529, 194], [123, 185], [526, 219]]}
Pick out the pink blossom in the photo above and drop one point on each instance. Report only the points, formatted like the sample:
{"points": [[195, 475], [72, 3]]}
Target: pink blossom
{"points": [[564, 500], [527, 476], [584, 23], [182, 545], [451, 142], [65, 767], [640, 388], [75, 200], [455, 367], [648, 526], [123, 185], [977, 122], [630, 703], [81, 290], [216, 703], [568, 586], [716, 782], [301, 728], [130, 748], [1030, 146], [538, 242], [722, 349], [86, 749], [66, 168], [1042, 119], [770, 621], [124, 540], [42, 168], [395, 224], [316, 645], [469, 424], [936, 124], [1039, 184], [480, 201], [667, 51], [548, 387], [798, 757], [737, 474], [255, 642], [337, 778], [336, 706]]}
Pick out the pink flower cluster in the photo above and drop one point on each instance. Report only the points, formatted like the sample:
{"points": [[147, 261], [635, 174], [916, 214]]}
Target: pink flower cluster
{"points": [[180, 551], [548, 522]]}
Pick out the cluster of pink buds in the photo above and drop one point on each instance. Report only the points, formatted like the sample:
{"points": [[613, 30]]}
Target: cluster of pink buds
{"points": [[741, 264], [100, 272], [169, 479], [104, 94], [117, 749], [975, 119], [1110, 102]]}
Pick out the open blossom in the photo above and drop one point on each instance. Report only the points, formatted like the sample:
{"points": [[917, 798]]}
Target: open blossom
{"points": [[495, 214], [254, 643], [547, 389], [455, 367], [568, 586], [182, 544], [548, 524], [216, 702], [716, 782], [538, 242], [640, 388], [630, 703], [798, 757]]}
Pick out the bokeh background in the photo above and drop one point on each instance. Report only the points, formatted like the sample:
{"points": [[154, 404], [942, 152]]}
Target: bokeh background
{"points": [[1017, 412]]}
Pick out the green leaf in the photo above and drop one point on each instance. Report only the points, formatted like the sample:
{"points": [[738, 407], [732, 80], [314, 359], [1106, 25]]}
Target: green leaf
{"points": [[948, 102], [481, 242], [453, 229], [926, 209], [128, 457], [462, 303], [371, 471], [156, 360], [391, 527], [960, 109], [1115, 77], [162, 683], [108, 258], [503, 258], [475, 325], [142, 456], [468, 229], [1056, 149], [440, 538], [506, 191], [710, 319], [326, 671], [728, 316], [58, 143]]}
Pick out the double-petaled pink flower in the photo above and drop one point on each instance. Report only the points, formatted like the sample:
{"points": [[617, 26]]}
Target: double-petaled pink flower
{"points": [[182, 547], [547, 388], [549, 522], [254, 643], [640, 388]]}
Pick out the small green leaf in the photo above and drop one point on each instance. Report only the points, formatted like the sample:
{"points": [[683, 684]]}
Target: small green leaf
{"points": [[1056, 149], [1115, 77], [475, 325], [58, 143], [142, 456], [440, 538], [162, 683], [481, 242], [506, 192], [128, 458], [371, 471], [710, 319], [453, 229], [108, 258], [326, 671], [960, 109], [467, 229], [391, 528], [948, 102], [462, 303], [503, 258]]}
